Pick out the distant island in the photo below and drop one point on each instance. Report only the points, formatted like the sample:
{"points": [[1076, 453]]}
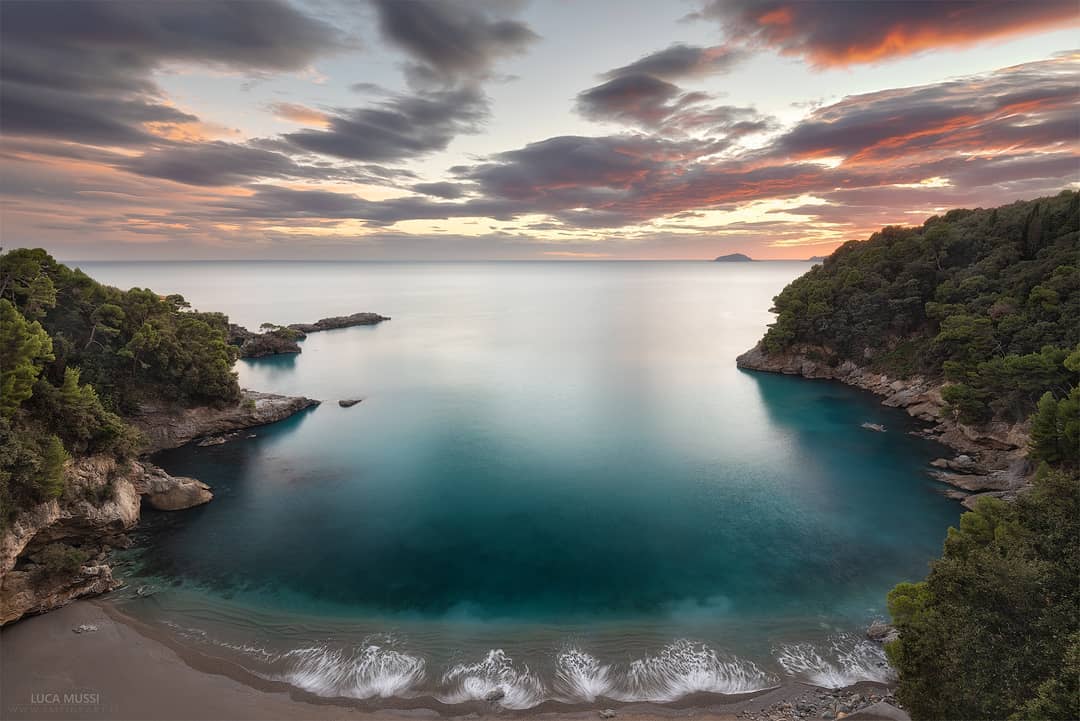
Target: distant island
{"points": [[816, 258], [734, 258]]}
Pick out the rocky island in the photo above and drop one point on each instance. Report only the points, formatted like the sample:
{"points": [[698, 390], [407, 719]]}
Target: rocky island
{"points": [[274, 339], [734, 258]]}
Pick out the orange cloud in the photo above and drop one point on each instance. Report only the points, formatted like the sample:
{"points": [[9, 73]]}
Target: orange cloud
{"points": [[300, 114]]}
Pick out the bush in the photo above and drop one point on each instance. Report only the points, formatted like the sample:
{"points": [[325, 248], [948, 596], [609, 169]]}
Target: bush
{"points": [[59, 559]]}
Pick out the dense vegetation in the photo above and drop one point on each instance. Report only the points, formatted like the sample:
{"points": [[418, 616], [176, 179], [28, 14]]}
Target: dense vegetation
{"points": [[994, 630], [76, 356], [989, 301]]}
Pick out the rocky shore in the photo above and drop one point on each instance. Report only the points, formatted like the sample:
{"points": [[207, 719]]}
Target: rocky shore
{"points": [[56, 551], [991, 460]]}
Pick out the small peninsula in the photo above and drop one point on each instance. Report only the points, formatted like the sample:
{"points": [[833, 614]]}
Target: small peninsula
{"points": [[734, 258]]}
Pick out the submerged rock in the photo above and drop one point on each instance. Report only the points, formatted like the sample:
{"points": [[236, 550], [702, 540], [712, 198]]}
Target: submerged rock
{"points": [[84, 628], [874, 427], [494, 695], [608, 713]]}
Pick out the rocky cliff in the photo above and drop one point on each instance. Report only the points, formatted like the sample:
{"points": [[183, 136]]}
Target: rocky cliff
{"points": [[992, 458], [99, 504], [56, 551]]}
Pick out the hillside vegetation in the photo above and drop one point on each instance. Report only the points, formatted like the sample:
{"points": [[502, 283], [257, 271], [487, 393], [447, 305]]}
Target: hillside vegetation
{"points": [[988, 301], [76, 356]]}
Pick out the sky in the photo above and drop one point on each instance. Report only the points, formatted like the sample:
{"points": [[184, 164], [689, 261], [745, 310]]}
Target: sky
{"points": [[499, 129]]}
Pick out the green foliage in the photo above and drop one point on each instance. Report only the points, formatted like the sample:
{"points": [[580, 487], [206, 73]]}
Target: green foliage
{"points": [[988, 299], [992, 632], [59, 559], [1055, 429], [24, 349], [131, 346], [75, 354]]}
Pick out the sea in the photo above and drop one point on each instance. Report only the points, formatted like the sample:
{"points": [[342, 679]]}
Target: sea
{"points": [[557, 487]]}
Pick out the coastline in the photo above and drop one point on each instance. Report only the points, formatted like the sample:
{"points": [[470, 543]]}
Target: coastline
{"points": [[152, 675], [991, 461]]}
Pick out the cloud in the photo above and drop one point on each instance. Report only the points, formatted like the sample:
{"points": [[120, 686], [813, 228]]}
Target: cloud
{"points": [[641, 94], [1026, 106], [301, 114], [82, 71], [404, 126], [833, 33], [451, 41], [449, 191], [682, 61]]}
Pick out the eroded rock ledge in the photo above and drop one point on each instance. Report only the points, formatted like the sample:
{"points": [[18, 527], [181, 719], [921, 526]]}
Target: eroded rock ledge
{"points": [[101, 502], [170, 427], [996, 462], [56, 551]]}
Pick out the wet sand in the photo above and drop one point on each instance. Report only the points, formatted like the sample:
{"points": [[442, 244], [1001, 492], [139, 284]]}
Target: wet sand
{"points": [[126, 670]]}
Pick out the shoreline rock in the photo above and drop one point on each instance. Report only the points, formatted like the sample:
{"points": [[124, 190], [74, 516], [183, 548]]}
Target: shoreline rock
{"points": [[991, 457], [349, 402], [170, 427]]}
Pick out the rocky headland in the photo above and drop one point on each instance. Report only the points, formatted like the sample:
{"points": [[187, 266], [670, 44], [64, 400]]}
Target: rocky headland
{"points": [[56, 551], [991, 460], [339, 321]]}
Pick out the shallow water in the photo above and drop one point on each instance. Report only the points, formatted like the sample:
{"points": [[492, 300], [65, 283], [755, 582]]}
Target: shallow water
{"points": [[557, 484]]}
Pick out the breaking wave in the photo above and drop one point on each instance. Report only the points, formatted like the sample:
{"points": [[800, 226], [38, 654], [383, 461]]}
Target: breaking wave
{"points": [[367, 671], [580, 677], [685, 667], [847, 660], [493, 678]]}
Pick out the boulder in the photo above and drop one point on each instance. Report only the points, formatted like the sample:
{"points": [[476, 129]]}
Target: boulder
{"points": [[349, 402], [164, 492], [880, 711]]}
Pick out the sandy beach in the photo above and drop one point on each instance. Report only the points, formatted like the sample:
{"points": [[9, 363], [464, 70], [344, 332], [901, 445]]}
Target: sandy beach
{"points": [[125, 670]]}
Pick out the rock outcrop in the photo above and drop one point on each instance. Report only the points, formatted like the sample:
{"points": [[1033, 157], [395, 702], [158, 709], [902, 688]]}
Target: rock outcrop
{"points": [[101, 502], [339, 321], [992, 457], [170, 427], [257, 345]]}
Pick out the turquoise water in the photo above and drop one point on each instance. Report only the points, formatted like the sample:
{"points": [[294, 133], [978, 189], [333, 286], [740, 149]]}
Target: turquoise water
{"points": [[557, 483]]}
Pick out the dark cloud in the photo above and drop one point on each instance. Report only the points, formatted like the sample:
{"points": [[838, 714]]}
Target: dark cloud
{"points": [[1027, 106], [449, 191], [840, 32], [451, 41], [82, 70], [682, 61], [641, 94], [218, 164], [402, 127]]}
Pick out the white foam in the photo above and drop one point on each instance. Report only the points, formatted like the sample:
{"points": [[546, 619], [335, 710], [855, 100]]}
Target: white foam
{"points": [[685, 667], [364, 672], [844, 661], [580, 677], [496, 672]]}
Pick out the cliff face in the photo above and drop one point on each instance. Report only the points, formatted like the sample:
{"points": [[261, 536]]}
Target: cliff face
{"points": [[993, 456], [102, 500], [170, 427]]}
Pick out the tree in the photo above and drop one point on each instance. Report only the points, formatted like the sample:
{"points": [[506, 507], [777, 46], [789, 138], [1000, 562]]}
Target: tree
{"points": [[24, 348]]}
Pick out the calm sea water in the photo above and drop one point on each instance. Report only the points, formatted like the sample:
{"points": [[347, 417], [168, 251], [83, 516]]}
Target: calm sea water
{"points": [[557, 484]]}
